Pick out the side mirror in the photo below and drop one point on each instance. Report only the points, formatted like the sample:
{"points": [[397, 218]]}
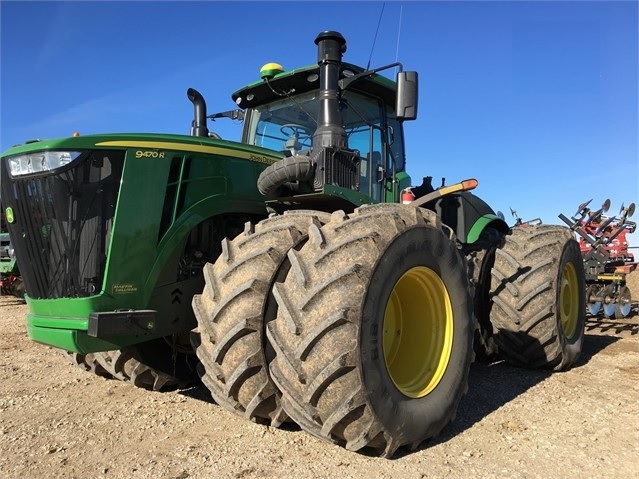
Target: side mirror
{"points": [[406, 106]]}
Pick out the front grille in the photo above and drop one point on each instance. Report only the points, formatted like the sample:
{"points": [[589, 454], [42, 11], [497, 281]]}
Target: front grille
{"points": [[63, 223]]}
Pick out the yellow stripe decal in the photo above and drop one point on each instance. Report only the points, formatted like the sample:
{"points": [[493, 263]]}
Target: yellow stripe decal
{"points": [[215, 150], [610, 277]]}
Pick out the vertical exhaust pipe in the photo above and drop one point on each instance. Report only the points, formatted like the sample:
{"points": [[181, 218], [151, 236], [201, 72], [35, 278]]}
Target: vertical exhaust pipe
{"points": [[330, 132], [198, 125]]}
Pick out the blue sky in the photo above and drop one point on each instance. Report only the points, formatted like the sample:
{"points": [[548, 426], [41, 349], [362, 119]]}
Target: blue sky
{"points": [[537, 100]]}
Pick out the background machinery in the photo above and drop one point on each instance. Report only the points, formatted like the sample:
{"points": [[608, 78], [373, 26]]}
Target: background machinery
{"points": [[607, 259], [519, 222], [10, 280], [331, 304]]}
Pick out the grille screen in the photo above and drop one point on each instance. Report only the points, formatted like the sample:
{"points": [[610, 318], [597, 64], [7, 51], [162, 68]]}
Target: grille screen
{"points": [[63, 223]]}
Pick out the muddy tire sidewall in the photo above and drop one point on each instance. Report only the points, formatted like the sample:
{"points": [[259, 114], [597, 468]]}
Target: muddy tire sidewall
{"points": [[399, 413]]}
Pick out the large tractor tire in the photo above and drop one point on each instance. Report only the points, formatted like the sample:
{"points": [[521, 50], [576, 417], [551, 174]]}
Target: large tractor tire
{"points": [[233, 309], [88, 363], [374, 331], [538, 295], [155, 365]]}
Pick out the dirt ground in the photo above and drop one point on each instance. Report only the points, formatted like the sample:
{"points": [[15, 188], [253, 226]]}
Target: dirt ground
{"points": [[57, 421]]}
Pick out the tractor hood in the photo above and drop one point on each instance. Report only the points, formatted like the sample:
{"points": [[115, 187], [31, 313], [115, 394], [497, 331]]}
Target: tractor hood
{"points": [[150, 145]]}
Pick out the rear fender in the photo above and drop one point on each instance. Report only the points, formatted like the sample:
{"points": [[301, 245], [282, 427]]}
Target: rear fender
{"points": [[486, 221], [468, 215]]}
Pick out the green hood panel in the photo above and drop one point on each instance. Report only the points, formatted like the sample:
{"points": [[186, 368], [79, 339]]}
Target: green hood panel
{"points": [[151, 141]]}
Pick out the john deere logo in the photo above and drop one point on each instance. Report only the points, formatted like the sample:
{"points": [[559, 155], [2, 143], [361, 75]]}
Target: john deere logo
{"points": [[9, 215]]}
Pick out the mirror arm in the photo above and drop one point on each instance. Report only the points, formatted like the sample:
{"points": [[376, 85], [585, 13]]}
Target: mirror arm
{"points": [[344, 83]]}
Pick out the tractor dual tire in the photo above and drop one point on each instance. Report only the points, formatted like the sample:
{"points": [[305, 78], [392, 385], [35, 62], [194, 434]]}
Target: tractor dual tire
{"points": [[374, 331], [155, 365], [538, 295], [88, 363], [480, 263], [233, 309]]}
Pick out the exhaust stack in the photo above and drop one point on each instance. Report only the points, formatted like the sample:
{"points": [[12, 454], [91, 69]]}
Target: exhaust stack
{"points": [[198, 125]]}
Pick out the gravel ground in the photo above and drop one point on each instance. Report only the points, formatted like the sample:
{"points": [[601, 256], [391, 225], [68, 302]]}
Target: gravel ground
{"points": [[58, 421]]}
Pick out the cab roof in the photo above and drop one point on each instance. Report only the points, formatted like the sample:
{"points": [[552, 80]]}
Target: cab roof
{"points": [[304, 79]]}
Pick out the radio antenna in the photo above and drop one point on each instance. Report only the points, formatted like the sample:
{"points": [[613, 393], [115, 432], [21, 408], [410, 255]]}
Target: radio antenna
{"points": [[375, 38], [399, 30]]}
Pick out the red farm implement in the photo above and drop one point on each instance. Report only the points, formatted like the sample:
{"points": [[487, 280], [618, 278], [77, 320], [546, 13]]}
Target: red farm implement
{"points": [[607, 260]]}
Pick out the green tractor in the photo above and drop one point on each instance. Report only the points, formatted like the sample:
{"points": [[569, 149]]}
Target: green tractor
{"points": [[325, 289]]}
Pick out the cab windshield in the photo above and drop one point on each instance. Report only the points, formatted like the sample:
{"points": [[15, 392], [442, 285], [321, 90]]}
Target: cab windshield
{"points": [[287, 125]]}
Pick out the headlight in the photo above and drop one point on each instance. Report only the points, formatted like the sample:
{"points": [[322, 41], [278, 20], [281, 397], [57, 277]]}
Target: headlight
{"points": [[40, 161]]}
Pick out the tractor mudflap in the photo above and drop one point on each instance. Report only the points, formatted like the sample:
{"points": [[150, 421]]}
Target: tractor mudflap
{"points": [[374, 330]]}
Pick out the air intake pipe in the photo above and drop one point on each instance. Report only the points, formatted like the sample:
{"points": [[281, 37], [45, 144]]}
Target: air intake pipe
{"points": [[198, 125], [330, 132]]}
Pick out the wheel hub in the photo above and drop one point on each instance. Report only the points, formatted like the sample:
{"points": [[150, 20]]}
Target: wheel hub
{"points": [[418, 332], [569, 300]]}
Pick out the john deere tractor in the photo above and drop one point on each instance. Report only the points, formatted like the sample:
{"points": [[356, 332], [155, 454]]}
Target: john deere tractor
{"points": [[326, 289]]}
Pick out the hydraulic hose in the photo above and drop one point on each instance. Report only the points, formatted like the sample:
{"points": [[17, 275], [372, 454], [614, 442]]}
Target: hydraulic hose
{"points": [[287, 170]]}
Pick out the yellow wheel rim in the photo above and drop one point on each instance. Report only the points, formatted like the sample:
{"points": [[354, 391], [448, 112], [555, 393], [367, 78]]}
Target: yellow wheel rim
{"points": [[569, 300], [418, 332]]}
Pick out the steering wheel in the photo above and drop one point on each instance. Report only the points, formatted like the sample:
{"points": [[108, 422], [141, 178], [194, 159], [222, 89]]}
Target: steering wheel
{"points": [[293, 129]]}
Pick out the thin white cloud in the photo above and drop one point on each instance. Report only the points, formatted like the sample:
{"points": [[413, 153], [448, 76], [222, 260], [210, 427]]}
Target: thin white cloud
{"points": [[57, 39]]}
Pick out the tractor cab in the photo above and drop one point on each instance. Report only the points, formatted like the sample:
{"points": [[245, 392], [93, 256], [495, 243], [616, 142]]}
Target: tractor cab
{"points": [[287, 125], [345, 121]]}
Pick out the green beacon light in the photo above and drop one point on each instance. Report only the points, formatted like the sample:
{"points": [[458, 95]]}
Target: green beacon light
{"points": [[269, 70], [9, 215]]}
